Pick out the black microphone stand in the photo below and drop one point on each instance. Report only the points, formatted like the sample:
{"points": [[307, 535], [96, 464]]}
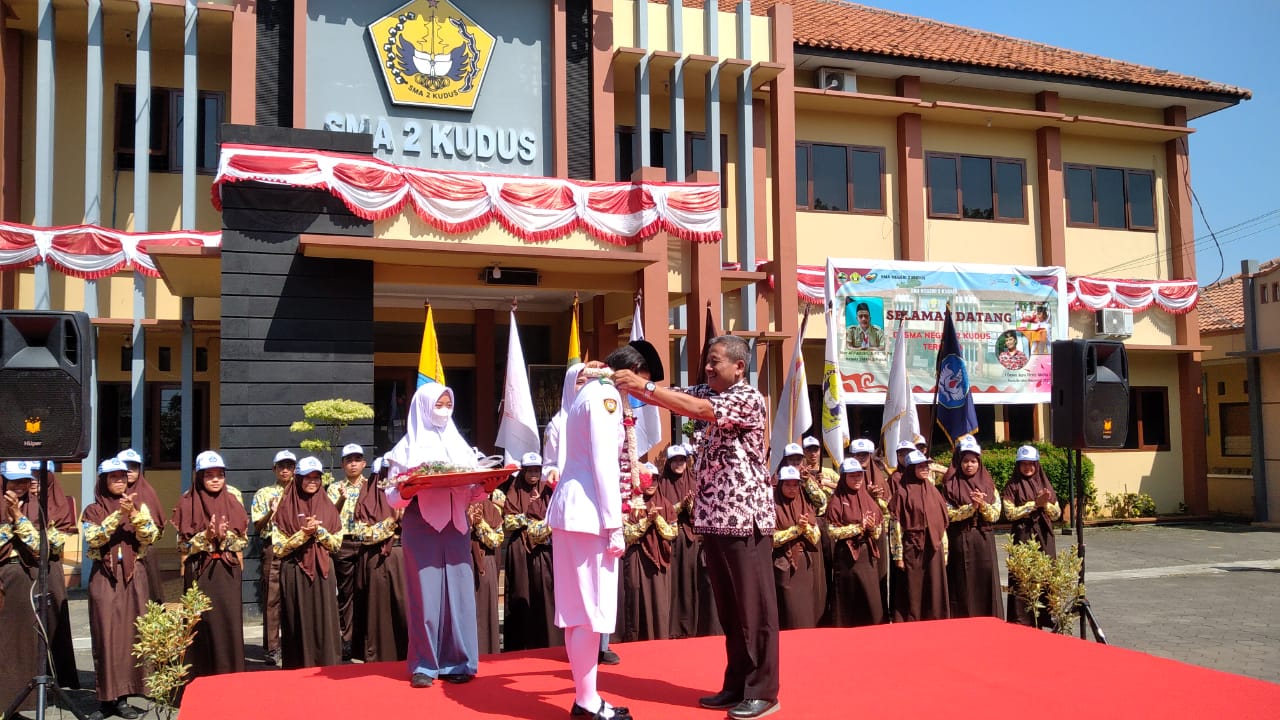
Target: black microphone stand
{"points": [[44, 683]]}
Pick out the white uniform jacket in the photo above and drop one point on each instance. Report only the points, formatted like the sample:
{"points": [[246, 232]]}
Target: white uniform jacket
{"points": [[588, 498]]}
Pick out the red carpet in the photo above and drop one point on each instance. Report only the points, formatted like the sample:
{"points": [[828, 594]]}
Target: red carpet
{"points": [[955, 669]]}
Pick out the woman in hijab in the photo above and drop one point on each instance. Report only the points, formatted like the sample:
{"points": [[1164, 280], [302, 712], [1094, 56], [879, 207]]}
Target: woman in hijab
{"points": [[308, 530], [212, 531], [918, 545], [973, 505], [147, 496], [1031, 504], [529, 599], [676, 485], [646, 565], [554, 441], [65, 520], [485, 518], [119, 530], [380, 633], [443, 640], [855, 522], [797, 555]]}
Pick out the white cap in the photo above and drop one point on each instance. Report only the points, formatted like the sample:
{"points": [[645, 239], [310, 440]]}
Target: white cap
{"points": [[916, 457], [377, 465], [16, 470], [209, 459], [862, 445], [676, 451], [850, 465], [792, 449], [688, 448], [530, 459], [812, 441], [905, 445], [308, 465], [112, 465], [284, 455], [1028, 452], [352, 449], [788, 473], [919, 440], [651, 469], [968, 444], [129, 456]]}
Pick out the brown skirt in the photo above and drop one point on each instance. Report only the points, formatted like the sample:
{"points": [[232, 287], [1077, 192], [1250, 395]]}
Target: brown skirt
{"points": [[309, 635], [60, 641], [684, 585], [18, 640], [855, 586], [919, 591], [114, 605], [646, 598], [973, 578], [218, 646], [381, 602], [155, 585], [486, 574]]}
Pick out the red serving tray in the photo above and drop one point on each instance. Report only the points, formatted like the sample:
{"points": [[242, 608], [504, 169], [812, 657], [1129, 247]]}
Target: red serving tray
{"points": [[490, 479]]}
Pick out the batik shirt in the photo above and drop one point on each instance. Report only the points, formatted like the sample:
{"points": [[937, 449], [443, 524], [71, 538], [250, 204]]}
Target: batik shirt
{"points": [[734, 496], [264, 506], [347, 507]]}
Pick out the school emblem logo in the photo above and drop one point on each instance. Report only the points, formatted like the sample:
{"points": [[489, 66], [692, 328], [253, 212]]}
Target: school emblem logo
{"points": [[32, 424], [611, 405], [432, 55]]}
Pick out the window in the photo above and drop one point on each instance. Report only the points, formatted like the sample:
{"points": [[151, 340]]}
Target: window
{"points": [[1233, 426], [162, 447], [1020, 423], [840, 178], [1264, 295], [1148, 419], [167, 123], [971, 187], [1116, 198], [697, 153]]}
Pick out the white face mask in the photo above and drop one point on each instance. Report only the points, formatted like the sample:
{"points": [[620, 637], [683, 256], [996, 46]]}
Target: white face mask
{"points": [[441, 415]]}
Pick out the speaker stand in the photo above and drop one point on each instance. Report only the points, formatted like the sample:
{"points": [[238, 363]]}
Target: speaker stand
{"points": [[1076, 471], [44, 683]]}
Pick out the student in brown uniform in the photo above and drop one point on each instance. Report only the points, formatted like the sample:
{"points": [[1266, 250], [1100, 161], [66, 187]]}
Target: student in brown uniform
{"points": [[797, 555], [147, 496], [877, 485], [1031, 504], [973, 505], [826, 477], [212, 528], [675, 483], [379, 625], [918, 545], [646, 565], [119, 530], [855, 521], [307, 532], [262, 513], [485, 518], [344, 495], [529, 595]]}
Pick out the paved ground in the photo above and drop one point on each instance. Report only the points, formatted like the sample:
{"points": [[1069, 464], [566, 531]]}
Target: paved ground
{"points": [[1205, 594]]}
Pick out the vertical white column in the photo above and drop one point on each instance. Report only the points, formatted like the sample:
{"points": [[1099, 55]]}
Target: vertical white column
{"points": [[190, 161], [141, 211], [746, 177], [46, 72], [92, 215]]}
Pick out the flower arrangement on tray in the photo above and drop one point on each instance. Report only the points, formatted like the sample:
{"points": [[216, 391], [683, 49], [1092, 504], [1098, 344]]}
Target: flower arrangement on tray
{"points": [[437, 474]]}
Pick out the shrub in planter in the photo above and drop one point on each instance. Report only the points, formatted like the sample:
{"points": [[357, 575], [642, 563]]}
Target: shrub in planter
{"points": [[1000, 460]]}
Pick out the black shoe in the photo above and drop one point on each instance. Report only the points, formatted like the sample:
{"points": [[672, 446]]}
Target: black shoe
{"points": [[346, 651], [272, 658], [609, 657], [421, 680], [748, 709], [120, 708], [456, 678], [619, 713], [721, 700]]}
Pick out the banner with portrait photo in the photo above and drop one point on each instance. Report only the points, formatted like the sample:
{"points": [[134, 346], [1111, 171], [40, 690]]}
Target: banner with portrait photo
{"points": [[1006, 317]]}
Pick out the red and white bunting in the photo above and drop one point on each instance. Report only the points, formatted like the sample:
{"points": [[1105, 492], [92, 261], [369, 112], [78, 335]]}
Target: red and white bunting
{"points": [[1175, 297], [90, 252], [535, 209]]}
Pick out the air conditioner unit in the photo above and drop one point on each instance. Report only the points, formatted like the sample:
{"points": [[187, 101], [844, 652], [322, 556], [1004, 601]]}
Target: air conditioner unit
{"points": [[837, 79], [1113, 322]]}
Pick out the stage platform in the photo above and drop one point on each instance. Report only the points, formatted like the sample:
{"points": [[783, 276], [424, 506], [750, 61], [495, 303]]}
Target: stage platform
{"points": [[979, 668]]}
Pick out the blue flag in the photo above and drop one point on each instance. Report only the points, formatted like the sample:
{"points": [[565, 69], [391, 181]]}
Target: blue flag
{"points": [[953, 401]]}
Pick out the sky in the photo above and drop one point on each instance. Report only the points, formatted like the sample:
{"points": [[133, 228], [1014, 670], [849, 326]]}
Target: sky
{"points": [[1236, 42]]}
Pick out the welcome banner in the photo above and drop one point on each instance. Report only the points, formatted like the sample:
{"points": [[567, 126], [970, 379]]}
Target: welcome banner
{"points": [[1005, 316]]}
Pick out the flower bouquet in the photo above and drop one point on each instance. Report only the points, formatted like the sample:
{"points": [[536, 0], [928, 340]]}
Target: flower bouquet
{"points": [[434, 475]]}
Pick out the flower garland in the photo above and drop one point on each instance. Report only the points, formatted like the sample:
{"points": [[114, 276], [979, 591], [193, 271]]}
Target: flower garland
{"points": [[636, 500]]}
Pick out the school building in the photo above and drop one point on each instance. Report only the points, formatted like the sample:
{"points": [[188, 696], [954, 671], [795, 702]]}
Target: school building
{"points": [[334, 165]]}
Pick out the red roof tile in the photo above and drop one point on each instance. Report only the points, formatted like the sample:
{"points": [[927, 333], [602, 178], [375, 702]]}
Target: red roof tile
{"points": [[846, 26], [1222, 303]]}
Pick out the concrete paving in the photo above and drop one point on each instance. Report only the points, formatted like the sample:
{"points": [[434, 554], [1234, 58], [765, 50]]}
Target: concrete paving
{"points": [[1206, 594]]}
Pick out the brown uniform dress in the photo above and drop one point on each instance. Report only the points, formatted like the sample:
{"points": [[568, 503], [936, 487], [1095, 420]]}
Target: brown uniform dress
{"points": [[919, 590], [309, 634], [973, 573], [529, 599], [855, 579], [798, 570], [646, 575], [380, 632], [484, 565], [147, 496], [1036, 526]]}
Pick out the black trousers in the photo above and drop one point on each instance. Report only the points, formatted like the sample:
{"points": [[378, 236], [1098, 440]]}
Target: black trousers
{"points": [[346, 565], [741, 573]]}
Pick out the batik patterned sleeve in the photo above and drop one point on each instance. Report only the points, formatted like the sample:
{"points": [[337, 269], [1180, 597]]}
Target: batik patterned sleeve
{"points": [[515, 522], [813, 535], [782, 537], [844, 532], [1052, 511], [816, 496], [331, 541], [197, 543], [489, 537], [373, 534], [667, 531], [234, 541], [539, 532], [1017, 512], [260, 509], [956, 514], [282, 545], [632, 532], [895, 539], [98, 535], [991, 511], [57, 541], [25, 531], [144, 528]]}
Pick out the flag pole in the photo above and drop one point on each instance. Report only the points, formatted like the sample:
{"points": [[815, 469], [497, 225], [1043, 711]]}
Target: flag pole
{"points": [[799, 354]]}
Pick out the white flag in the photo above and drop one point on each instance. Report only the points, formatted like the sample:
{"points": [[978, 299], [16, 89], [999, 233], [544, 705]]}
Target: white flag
{"points": [[793, 416], [648, 421], [900, 421], [835, 424], [518, 432]]}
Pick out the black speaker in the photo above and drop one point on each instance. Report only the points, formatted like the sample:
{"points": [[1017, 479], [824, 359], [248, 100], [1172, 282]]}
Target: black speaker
{"points": [[1089, 406], [45, 361]]}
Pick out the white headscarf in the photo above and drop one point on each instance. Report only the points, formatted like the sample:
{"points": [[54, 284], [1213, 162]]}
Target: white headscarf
{"points": [[426, 438], [568, 392]]}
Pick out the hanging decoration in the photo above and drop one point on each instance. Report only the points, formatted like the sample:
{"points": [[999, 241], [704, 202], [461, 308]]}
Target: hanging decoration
{"points": [[1175, 297], [90, 252], [534, 209]]}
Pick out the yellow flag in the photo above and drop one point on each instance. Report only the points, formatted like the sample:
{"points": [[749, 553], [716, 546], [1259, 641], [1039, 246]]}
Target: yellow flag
{"points": [[430, 369], [575, 346]]}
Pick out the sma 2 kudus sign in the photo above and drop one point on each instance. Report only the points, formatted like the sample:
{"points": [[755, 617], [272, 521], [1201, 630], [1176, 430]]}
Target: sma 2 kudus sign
{"points": [[432, 55], [1006, 318]]}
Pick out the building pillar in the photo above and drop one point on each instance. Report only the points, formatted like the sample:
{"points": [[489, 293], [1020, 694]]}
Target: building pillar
{"points": [[782, 143], [485, 396], [141, 215], [602, 122], [1050, 178], [911, 209], [244, 63], [704, 291], [46, 72]]}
